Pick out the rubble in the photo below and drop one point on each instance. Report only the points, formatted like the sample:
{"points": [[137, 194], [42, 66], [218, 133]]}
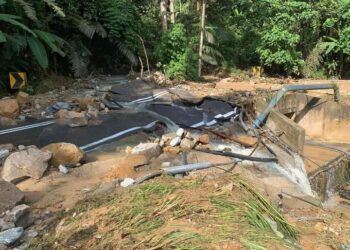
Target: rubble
{"points": [[9, 108], [7, 122], [180, 132], [204, 139], [15, 213], [63, 169], [31, 162], [64, 154], [10, 195], [72, 118], [23, 98], [6, 225], [127, 182], [175, 142], [10, 236], [148, 149], [4, 153], [187, 144], [85, 102]]}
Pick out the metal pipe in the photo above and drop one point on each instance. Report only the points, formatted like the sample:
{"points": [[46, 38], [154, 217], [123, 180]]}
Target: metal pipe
{"points": [[187, 168], [262, 116], [239, 156]]}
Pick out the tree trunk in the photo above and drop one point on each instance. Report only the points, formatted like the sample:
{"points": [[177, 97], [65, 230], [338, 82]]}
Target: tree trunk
{"points": [[201, 42], [172, 11], [163, 13]]}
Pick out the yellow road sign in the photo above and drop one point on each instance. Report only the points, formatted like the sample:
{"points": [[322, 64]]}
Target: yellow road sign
{"points": [[17, 80]]}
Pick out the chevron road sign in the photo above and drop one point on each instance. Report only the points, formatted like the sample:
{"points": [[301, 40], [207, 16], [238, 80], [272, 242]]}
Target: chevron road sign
{"points": [[17, 80]]}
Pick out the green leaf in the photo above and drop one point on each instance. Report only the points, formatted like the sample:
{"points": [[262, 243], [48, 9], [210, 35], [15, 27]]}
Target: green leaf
{"points": [[12, 19], [50, 40], [2, 37], [38, 51]]}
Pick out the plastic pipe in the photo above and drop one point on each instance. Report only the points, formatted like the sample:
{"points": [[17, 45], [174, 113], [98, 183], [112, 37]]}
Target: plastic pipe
{"points": [[262, 116], [186, 168]]}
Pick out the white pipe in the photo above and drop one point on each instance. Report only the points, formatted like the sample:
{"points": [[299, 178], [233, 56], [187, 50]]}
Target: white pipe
{"points": [[119, 134], [17, 129]]}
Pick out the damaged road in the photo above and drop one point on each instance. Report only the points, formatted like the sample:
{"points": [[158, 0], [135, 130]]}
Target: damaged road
{"points": [[142, 109]]}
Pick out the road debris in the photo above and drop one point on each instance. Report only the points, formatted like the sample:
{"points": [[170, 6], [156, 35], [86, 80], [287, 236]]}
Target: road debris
{"points": [[31, 162]]}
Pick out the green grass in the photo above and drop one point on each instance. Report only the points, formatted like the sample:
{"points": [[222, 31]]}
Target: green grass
{"points": [[167, 213]]}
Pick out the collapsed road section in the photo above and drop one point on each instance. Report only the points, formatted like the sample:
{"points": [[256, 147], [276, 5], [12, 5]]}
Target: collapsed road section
{"points": [[174, 132]]}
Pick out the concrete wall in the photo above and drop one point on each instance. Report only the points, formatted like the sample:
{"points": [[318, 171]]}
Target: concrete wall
{"points": [[323, 120], [291, 133]]}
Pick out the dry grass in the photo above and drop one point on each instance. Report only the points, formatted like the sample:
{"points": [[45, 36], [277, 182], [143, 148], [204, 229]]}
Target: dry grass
{"points": [[168, 213]]}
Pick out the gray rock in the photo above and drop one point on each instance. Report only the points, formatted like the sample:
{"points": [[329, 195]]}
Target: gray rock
{"points": [[25, 220], [175, 142], [17, 212], [10, 147], [28, 163], [21, 147], [127, 182], [187, 144], [10, 236], [30, 234], [72, 118], [7, 122], [63, 169], [4, 153], [10, 195], [147, 149], [5, 225], [180, 132]]}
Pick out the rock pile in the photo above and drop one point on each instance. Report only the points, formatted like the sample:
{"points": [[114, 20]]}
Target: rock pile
{"points": [[174, 143]]}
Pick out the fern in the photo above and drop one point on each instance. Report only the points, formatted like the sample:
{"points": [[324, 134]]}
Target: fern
{"points": [[79, 58], [89, 29], [28, 9], [128, 53], [55, 7]]}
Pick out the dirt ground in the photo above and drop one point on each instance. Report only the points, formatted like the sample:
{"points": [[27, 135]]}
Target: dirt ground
{"points": [[88, 223]]}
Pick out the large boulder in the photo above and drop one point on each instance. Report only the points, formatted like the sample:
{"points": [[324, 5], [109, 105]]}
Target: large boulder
{"points": [[28, 163], [10, 195], [64, 153], [72, 118], [7, 122], [23, 98], [147, 149], [9, 108]]}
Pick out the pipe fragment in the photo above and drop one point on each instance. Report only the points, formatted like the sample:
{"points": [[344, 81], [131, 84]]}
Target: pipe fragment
{"points": [[262, 116]]}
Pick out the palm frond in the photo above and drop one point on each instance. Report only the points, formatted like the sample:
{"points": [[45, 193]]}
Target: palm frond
{"points": [[210, 60], [127, 53], [79, 59], [38, 51], [209, 37], [28, 9], [2, 37], [50, 40], [55, 7], [89, 29], [14, 20]]}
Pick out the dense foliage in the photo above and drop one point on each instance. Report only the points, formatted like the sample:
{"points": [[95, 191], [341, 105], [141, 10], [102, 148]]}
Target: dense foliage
{"points": [[287, 37]]}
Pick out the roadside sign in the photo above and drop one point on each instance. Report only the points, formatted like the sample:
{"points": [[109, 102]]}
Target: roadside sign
{"points": [[17, 80]]}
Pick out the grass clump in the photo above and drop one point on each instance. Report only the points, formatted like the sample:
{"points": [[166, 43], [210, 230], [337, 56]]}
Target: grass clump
{"points": [[168, 213]]}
